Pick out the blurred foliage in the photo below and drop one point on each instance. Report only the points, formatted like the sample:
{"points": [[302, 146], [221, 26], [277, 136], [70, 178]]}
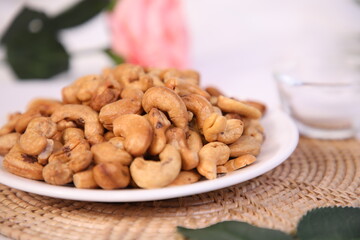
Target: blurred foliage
{"points": [[31, 41]]}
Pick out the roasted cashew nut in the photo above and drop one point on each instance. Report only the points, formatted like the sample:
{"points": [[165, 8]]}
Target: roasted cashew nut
{"points": [[133, 76], [187, 76], [183, 88], [177, 138], [211, 155], [186, 177], [137, 132], [107, 92], [85, 179], [38, 131], [85, 115], [10, 125], [233, 106], [168, 101], [22, 164], [245, 145], [160, 124], [111, 151], [253, 128], [82, 90], [8, 141], [200, 106], [157, 174], [130, 103], [111, 175], [236, 163]]}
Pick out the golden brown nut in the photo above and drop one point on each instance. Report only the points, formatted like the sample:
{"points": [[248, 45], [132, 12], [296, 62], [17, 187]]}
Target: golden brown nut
{"points": [[85, 179], [245, 145], [137, 132], [200, 106], [133, 76], [84, 115], [39, 130], [57, 173], [7, 142], [111, 175], [156, 174], [129, 104], [111, 152], [160, 124], [168, 101], [253, 128], [213, 126], [10, 125], [81, 90], [22, 164], [183, 88], [187, 76], [233, 106], [236, 163], [177, 138], [214, 91], [186, 177], [211, 155]]}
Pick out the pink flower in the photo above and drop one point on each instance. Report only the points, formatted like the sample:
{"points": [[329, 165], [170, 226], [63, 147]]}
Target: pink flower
{"points": [[150, 33]]}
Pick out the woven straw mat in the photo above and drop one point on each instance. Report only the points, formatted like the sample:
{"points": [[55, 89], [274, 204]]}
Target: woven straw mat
{"points": [[319, 173]]}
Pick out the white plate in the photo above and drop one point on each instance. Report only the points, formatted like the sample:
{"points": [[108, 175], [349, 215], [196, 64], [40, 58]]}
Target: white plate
{"points": [[281, 139]]}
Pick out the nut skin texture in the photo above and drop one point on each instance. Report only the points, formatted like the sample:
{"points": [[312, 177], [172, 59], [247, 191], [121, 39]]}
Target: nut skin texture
{"points": [[156, 174], [93, 129], [160, 124], [183, 88], [177, 138], [200, 106], [21, 164], [111, 175], [233, 131], [168, 101], [233, 106], [185, 177], [129, 104], [211, 155], [245, 145], [7, 142], [214, 125], [57, 173], [34, 140], [137, 132]]}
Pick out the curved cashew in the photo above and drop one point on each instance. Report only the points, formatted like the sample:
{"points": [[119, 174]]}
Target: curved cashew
{"points": [[111, 175], [111, 151], [177, 138], [211, 155], [85, 115], [160, 124], [22, 164], [157, 174], [10, 125], [57, 173], [7, 142], [200, 106], [233, 131], [133, 76], [137, 132], [214, 91], [168, 101], [253, 128], [185, 177], [245, 145], [81, 90], [108, 92], [236, 163], [34, 140], [188, 76], [233, 106], [183, 88]]}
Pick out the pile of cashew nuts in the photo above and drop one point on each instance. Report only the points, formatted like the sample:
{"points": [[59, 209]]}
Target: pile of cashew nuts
{"points": [[132, 127]]}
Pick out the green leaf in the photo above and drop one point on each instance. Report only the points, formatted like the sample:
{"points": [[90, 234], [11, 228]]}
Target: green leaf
{"points": [[116, 58], [232, 230], [330, 223], [79, 13]]}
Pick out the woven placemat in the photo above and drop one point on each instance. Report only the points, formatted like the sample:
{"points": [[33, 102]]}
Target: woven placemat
{"points": [[319, 173]]}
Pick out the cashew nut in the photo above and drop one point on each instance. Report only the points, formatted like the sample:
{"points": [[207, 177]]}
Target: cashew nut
{"points": [[157, 174], [160, 124], [183, 88], [85, 115], [111, 175], [211, 155], [213, 126], [213, 91], [137, 132], [188, 76], [177, 138], [186, 177], [236, 163], [85, 179], [233, 106], [111, 151], [245, 145], [38, 131], [200, 106], [22, 164], [168, 101], [129, 104], [81, 90], [7, 142], [253, 128], [133, 76], [10, 125]]}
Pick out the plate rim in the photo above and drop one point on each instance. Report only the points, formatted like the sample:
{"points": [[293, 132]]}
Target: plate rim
{"points": [[142, 195]]}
